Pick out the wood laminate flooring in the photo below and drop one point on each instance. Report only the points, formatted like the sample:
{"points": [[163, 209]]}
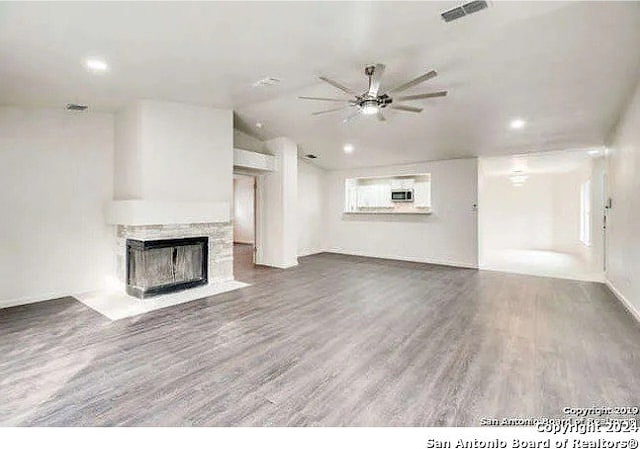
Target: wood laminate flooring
{"points": [[337, 341]]}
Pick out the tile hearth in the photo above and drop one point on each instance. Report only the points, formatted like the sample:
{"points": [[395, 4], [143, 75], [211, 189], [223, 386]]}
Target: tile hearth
{"points": [[117, 305]]}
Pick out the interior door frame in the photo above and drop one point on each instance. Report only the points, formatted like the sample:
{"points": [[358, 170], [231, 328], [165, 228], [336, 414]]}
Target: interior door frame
{"points": [[605, 212], [257, 212], [254, 248]]}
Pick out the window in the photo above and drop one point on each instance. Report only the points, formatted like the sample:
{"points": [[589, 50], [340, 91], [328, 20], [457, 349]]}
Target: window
{"points": [[401, 194], [585, 213]]}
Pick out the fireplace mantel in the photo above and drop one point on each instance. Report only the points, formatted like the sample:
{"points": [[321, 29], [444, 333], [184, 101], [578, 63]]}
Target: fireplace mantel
{"points": [[144, 213]]}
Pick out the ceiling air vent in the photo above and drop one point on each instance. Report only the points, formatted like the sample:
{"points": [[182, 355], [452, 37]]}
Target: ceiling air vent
{"points": [[311, 156], [77, 107], [268, 81], [461, 11], [453, 14], [475, 6]]}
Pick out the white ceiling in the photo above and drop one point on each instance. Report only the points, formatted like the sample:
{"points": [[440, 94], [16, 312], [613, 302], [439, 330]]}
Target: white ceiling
{"points": [[564, 67], [545, 162]]}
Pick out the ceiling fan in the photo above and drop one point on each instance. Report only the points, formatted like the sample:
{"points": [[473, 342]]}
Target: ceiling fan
{"points": [[372, 101]]}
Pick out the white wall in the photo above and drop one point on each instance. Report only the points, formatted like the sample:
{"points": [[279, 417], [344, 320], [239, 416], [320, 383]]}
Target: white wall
{"points": [[243, 209], [277, 207], [246, 142], [447, 236], [311, 229], [56, 174], [623, 221], [128, 153], [174, 152], [516, 217], [565, 219]]}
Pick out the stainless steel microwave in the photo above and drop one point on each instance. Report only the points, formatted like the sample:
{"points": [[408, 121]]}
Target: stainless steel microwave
{"points": [[399, 195]]}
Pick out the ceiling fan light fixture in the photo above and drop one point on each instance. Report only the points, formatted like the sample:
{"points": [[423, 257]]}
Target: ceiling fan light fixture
{"points": [[373, 101], [370, 107]]}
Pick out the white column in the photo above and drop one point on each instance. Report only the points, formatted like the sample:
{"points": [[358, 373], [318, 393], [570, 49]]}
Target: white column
{"points": [[278, 245]]}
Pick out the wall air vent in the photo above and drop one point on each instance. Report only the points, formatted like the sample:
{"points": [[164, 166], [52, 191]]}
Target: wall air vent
{"points": [[76, 107], [461, 11], [311, 156]]}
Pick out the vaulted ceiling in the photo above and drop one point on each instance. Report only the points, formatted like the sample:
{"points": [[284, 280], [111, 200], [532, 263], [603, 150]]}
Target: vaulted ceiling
{"points": [[565, 68]]}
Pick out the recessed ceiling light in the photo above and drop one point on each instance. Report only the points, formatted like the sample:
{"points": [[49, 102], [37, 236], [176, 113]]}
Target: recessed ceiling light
{"points": [[348, 148], [96, 65], [517, 123], [593, 152], [258, 125]]}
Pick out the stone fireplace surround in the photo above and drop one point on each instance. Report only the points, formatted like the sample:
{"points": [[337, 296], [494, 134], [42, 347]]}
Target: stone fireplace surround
{"points": [[220, 236], [162, 220], [138, 220]]}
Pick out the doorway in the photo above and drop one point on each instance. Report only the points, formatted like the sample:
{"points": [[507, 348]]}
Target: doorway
{"points": [[244, 222], [542, 214]]}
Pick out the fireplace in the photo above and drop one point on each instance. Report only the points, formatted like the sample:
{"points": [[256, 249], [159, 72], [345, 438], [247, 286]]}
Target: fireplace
{"points": [[154, 267]]}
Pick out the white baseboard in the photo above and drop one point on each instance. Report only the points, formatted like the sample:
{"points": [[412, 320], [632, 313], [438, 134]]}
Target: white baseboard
{"points": [[5, 303], [429, 260], [310, 252], [283, 266], [625, 302]]}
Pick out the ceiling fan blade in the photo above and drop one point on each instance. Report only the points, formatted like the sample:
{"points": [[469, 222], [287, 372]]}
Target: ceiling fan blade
{"points": [[413, 82], [422, 96], [352, 116], [374, 79], [326, 99], [380, 116], [330, 110], [338, 85], [401, 107]]}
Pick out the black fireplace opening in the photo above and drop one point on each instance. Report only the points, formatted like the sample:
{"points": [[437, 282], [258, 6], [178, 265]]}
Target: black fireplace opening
{"points": [[155, 267]]}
